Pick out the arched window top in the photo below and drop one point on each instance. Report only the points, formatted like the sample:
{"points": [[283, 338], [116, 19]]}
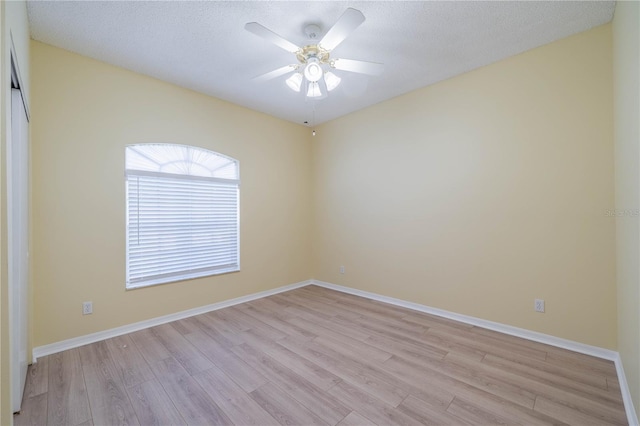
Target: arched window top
{"points": [[180, 160]]}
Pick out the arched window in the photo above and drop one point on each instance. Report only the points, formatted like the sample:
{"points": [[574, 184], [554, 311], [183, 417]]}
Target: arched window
{"points": [[182, 213]]}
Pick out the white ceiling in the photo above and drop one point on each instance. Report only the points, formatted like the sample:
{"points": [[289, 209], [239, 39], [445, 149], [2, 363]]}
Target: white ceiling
{"points": [[203, 45]]}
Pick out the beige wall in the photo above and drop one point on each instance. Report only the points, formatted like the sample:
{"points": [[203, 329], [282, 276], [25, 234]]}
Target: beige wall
{"points": [[480, 193], [626, 68], [84, 114], [14, 27]]}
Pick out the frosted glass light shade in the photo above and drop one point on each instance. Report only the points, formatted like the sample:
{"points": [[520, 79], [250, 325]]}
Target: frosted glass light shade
{"points": [[331, 80], [313, 71], [295, 82], [314, 90]]}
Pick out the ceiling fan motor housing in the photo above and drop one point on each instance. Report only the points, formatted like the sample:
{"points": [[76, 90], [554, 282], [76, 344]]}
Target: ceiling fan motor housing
{"points": [[313, 51], [312, 31]]}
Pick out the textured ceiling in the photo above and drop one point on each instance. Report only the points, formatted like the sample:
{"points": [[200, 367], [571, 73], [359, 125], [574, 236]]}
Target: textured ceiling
{"points": [[203, 45]]}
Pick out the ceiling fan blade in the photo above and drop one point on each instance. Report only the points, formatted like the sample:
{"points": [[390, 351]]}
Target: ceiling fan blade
{"points": [[362, 67], [276, 73], [267, 34], [349, 21]]}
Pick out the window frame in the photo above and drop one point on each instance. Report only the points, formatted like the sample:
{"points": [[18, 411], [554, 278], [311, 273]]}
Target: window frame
{"points": [[193, 161]]}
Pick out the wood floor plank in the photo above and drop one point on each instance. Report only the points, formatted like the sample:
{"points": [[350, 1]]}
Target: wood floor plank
{"points": [[403, 347], [462, 368], [281, 304], [230, 323], [298, 364], [167, 366], [480, 332], [130, 363], [476, 414], [354, 309], [453, 347], [106, 392], [193, 403], [433, 321], [67, 402], [283, 408], [149, 346], [319, 324], [221, 328], [318, 305], [355, 419], [556, 380], [528, 364], [33, 411], [330, 297], [94, 353], [417, 386], [37, 378], [186, 325], [235, 402], [427, 415], [354, 348], [582, 361], [326, 328], [395, 327], [352, 303], [613, 386], [312, 397], [362, 376], [370, 407], [420, 376], [267, 304], [269, 318], [208, 325], [250, 323], [181, 349], [489, 346], [296, 310], [242, 373], [583, 401], [567, 414], [152, 405]]}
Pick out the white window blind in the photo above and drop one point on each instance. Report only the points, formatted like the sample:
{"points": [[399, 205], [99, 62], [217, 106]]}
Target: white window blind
{"points": [[184, 223]]}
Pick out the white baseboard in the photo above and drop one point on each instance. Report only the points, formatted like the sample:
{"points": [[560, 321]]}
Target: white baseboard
{"points": [[75, 342], [610, 355], [632, 418], [507, 329]]}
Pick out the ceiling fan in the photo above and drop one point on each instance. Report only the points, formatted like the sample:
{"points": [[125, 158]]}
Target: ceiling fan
{"points": [[314, 59]]}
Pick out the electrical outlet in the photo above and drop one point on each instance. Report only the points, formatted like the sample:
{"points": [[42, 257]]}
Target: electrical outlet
{"points": [[342, 269], [539, 305], [87, 308]]}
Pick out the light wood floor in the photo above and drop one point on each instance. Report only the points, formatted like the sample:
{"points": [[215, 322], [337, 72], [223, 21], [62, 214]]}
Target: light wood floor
{"points": [[316, 356]]}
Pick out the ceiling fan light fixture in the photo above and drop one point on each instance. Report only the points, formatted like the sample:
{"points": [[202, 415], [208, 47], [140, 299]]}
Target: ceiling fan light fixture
{"points": [[314, 60], [331, 80], [313, 71], [295, 82], [314, 90]]}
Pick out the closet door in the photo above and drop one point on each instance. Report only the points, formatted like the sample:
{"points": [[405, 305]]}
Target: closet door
{"points": [[18, 238]]}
